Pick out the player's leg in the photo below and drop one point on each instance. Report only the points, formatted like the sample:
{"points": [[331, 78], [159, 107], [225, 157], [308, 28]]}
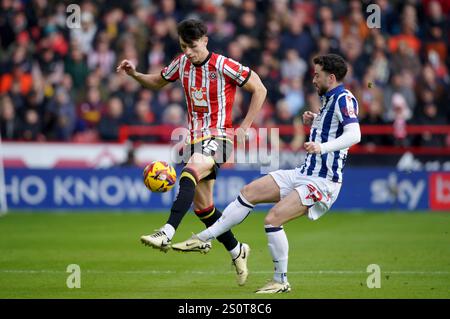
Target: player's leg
{"points": [[206, 211], [288, 208], [208, 214], [205, 157], [312, 197], [196, 169], [262, 190]]}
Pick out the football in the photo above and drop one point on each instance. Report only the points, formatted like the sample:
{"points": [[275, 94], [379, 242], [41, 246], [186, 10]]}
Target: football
{"points": [[159, 176]]}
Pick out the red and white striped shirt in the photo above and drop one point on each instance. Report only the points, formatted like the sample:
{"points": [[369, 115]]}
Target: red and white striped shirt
{"points": [[209, 89]]}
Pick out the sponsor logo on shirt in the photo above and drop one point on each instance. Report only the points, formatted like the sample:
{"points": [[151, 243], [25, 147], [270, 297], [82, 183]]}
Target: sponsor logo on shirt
{"points": [[199, 99]]}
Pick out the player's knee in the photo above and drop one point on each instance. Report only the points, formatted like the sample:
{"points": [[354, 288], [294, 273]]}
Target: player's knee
{"points": [[193, 167], [201, 170], [274, 218], [249, 193], [202, 203]]}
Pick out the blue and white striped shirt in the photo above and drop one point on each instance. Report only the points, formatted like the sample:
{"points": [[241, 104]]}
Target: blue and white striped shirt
{"points": [[339, 108]]}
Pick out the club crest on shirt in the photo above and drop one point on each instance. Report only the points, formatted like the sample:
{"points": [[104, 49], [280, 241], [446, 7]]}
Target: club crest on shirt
{"points": [[212, 76]]}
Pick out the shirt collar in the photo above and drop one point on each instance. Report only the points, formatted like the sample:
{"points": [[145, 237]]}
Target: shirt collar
{"points": [[204, 61], [336, 90]]}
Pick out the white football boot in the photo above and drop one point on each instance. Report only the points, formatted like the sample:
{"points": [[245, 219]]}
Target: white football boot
{"points": [[274, 287], [157, 240], [193, 244], [240, 263]]}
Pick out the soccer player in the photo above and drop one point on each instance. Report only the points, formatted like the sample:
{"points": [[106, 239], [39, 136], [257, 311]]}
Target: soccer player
{"points": [[309, 189], [209, 81]]}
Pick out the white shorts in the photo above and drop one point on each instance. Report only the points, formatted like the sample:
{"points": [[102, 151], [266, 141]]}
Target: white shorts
{"points": [[315, 192]]}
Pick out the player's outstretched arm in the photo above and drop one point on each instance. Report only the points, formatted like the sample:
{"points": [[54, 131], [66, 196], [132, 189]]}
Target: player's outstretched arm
{"points": [[350, 136], [150, 81], [255, 86]]}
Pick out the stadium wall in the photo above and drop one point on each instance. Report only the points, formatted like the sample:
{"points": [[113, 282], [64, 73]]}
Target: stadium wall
{"points": [[122, 189]]}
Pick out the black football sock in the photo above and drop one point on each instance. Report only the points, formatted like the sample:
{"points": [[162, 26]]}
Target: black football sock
{"points": [[209, 216], [181, 205]]}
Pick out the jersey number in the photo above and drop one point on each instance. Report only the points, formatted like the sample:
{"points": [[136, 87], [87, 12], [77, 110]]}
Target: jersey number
{"points": [[210, 146]]}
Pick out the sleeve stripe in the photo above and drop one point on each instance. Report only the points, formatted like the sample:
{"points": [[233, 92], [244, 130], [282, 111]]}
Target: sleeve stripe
{"points": [[237, 76], [171, 70], [342, 103], [236, 72], [227, 72], [246, 80], [167, 79], [232, 73], [355, 105], [232, 63], [341, 100]]}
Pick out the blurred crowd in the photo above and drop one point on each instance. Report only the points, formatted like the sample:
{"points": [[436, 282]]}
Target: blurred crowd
{"points": [[59, 83]]}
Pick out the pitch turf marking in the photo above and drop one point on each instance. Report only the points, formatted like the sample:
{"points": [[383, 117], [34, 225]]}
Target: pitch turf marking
{"points": [[161, 272]]}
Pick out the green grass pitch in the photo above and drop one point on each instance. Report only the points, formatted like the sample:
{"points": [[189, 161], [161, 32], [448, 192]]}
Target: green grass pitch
{"points": [[328, 258]]}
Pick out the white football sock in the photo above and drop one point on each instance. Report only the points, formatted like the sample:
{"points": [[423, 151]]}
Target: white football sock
{"points": [[236, 251], [168, 230], [279, 249], [233, 215]]}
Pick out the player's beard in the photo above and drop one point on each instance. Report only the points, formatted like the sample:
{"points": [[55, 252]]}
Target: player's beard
{"points": [[321, 89]]}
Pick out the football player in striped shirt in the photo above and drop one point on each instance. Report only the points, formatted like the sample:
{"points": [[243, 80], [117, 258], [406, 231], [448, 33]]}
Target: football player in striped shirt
{"points": [[312, 187], [209, 81]]}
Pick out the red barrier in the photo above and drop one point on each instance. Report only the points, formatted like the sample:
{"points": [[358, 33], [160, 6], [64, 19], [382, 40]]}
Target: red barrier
{"points": [[381, 129], [399, 150], [166, 130], [125, 131]]}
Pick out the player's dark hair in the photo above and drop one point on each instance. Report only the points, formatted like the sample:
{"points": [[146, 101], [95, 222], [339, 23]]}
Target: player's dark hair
{"points": [[333, 64], [191, 30]]}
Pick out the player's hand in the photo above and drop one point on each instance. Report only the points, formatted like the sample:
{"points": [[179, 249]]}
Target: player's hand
{"points": [[242, 134], [308, 117], [127, 66], [312, 147]]}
